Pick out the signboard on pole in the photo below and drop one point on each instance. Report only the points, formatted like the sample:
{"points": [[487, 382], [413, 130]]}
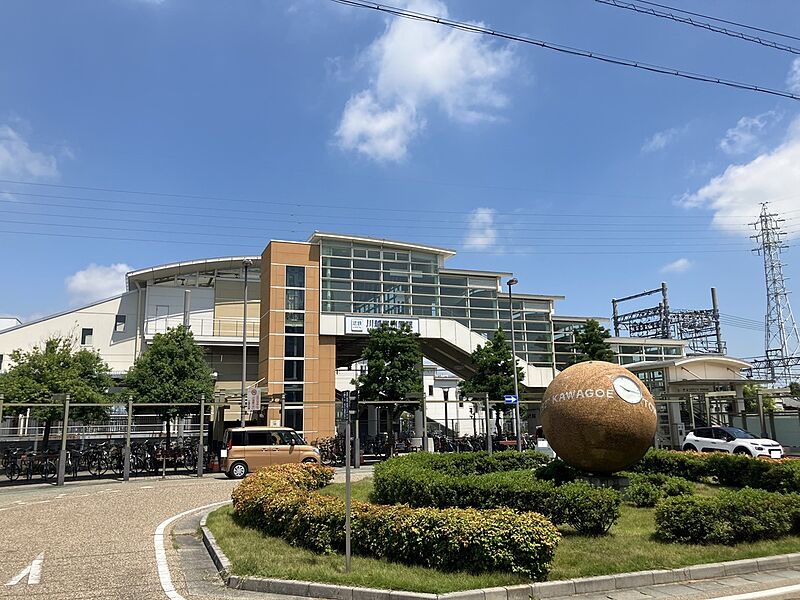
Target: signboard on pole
{"points": [[345, 403], [253, 399], [510, 399]]}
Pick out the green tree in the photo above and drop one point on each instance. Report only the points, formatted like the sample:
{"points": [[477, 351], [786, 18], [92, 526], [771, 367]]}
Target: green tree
{"points": [[794, 388], [394, 371], [54, 367], [590, 343], [750, 393], [494, 373], [173, 369]]}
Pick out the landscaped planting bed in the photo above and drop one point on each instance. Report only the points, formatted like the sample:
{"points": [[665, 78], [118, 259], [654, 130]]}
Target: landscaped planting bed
{"points": [[447, 513]]}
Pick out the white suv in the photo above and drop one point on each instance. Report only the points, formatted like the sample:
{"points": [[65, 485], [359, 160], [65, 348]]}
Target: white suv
{"points": [[731, 439]]}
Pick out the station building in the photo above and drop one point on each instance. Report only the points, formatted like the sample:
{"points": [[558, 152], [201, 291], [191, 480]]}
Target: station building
{"points": [[310, 306]]}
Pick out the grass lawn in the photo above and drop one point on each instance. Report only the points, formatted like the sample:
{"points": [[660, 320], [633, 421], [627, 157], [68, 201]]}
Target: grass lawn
{"points": [[629, 547], [255, 554]]}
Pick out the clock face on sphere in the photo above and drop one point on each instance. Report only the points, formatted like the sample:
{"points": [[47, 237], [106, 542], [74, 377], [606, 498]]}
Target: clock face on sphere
{"points": [[598, 417], [627, 389]]}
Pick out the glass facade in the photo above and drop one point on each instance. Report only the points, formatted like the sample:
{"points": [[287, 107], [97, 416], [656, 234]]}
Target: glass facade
{"points": [[372, 279], [632, 351], [294, 346]]}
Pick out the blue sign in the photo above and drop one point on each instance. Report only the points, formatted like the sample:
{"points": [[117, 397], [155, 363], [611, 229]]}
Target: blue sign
{"points": [[511, 399]]}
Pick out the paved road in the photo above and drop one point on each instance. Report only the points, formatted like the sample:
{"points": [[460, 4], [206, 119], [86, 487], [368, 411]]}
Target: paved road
{"points": [[96, 537], [97, 540]]}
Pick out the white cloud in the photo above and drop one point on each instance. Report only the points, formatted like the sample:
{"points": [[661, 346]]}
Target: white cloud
{"points": [[96, 282], [661, 139], [379, 132], [417, 66], [677, 266], [19, 161], [481, 229], [793, 78], [736, 195], [744, 137]]}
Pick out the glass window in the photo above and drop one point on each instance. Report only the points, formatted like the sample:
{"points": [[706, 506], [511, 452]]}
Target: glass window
{"points": [[337, 307], [367, 307], [448, 311], [537, 305], [387, 255], [394, 276], [425, 310], [652, 350], [366, 297], [368, 275], [396, 309], [424, 300], [450, 280], [446, 301], [373, 265], [403, 256], [293, 370], [491, 325], [417, 278], [337, 250], [336, 295], [294, 322], [295, 300], [366, 286], [672, 350], [483, 282], [333, 284], [236, 438], [295, 277], [484, 314], [630, 349], [430, 390], [293, 345], [294, 419], [259, 438], [86, 336], [360, 252], [119, 324], [293, 393], [336, 262], [337, 273], [395, 266], [423, 267], [483, 303], [425, 289], [453, 291]]}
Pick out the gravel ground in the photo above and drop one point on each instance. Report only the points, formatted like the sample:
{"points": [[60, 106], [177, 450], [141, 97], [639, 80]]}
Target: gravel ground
{"points": [[97, 539]]}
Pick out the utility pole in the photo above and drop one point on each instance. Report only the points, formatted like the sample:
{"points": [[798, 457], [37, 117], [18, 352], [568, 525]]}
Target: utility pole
{"points": [[246, 263], [781, 339]]}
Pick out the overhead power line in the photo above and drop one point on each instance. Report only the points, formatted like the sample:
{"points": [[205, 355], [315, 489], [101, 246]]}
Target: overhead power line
{"points": [[751, 27], [625, 62], [747, 37]]}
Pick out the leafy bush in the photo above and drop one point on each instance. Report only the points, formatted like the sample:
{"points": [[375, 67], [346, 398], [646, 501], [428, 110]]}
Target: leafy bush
{"points": [[643, 494], [422, 481], [736, 470], [689, 465], [281, 501], [732, 517], [646, 489]]}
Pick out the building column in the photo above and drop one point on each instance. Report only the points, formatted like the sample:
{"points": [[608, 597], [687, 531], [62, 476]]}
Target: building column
{"points": [[418, 424], [372, 420]]}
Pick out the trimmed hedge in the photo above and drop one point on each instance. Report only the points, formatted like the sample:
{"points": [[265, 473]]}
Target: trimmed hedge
{"points": [[426, 480], [731, 517], [281, 501], [647, 489], [735, 470]]}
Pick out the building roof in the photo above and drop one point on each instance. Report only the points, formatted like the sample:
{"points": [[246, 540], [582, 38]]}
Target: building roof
{"points": [[189, 266], [688, 361], [318, 236]]}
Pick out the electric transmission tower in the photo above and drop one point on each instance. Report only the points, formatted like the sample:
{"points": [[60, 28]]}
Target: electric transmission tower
{"points": [[781, 340]]}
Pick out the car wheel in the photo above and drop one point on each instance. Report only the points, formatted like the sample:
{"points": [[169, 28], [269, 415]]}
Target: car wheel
{"points": [[238, 470], [689, 448], [741, 450], [309, 461]]}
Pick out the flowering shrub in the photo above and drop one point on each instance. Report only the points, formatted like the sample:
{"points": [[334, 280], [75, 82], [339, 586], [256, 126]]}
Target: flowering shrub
{"points": [[282, 501]]}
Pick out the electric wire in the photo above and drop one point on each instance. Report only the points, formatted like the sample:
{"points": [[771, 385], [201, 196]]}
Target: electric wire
{"points": [[751, 27], [702, 25], [625, 62], [339, 207]]}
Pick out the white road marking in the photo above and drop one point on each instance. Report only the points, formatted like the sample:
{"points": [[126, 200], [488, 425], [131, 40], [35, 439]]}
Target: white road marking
{"points": [[764, 593], [33, 571], [18, 577], [147, 487], [164, 575], [36, 570]]}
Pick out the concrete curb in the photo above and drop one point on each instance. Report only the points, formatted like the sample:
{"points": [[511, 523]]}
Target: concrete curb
{"points": [[546, 589]]}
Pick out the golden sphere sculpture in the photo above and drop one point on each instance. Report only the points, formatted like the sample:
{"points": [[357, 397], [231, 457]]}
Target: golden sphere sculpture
{"points": [[598, 417]]}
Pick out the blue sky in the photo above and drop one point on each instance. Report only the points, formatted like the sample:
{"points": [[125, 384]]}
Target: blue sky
{"points": [[269, 119]]}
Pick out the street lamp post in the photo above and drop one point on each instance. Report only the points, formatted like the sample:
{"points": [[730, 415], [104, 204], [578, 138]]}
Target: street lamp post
{"points": [[246, 263], [517, 419]]}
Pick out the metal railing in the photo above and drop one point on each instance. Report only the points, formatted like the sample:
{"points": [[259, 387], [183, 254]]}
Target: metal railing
{"points": [[221, 327]]}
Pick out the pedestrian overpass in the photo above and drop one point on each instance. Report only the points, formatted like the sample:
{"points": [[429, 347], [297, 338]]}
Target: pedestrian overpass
{"points": [[444, 341]]}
